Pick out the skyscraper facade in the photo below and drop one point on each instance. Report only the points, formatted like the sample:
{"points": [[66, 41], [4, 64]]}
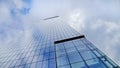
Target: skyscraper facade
{"points": [[54, 44]]}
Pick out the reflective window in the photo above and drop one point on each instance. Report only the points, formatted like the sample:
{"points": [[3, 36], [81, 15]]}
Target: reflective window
{"points": [[68, 44], [66, 66], [51, 49], [98, 54], [27, 65], [46, 56], [62, 61], [72, 49], [39, 65], [52, 63], [74, 57], [60, 52], [33, 65], [82, 48], [59, 46], [87, 55], [79, 65], [35, 59], [51, 55], [95, 63], [45, 64]]}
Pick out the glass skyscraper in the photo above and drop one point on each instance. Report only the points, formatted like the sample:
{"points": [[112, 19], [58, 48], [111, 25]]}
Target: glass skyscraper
{"points": [[54, 44]]}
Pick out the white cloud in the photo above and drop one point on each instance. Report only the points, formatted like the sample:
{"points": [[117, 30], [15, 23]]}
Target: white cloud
{"points": [[11, 28], [19, 4], [77, 19], [97, 19], [100, 23]]}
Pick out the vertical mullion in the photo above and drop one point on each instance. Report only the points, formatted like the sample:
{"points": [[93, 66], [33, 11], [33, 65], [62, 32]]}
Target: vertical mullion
{"points": [[80, 54]]}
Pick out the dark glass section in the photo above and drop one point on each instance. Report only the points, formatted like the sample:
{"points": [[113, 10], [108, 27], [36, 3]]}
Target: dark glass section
{"points": [[80, 53]]}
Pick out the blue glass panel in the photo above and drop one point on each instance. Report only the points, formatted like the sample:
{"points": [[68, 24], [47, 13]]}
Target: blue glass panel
{"points": [[52, 63], [22, 66], [74, 57], [39, 65], [11, 64], [51, 49], [66, 66], [46, 56], [51, 55], [98, 54], [90, 46], [35, 59], [72, 49], [60, 52], [18, 67], [45, 64], [79, 43], [110, 61], [82, 48], [68, 44], [79, 65], [95, 63], [62, 61], [47, 49], [87, 55], [19, 62], [59, 46], [27, 65], [33, 65], [40, 58]]}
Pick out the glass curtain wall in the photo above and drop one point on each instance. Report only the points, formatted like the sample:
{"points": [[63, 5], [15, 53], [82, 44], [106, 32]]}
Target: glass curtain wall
{"points": [[39, 50]]}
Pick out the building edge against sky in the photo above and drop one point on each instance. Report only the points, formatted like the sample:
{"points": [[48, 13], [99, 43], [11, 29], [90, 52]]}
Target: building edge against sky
{"points": [[54, 44]]}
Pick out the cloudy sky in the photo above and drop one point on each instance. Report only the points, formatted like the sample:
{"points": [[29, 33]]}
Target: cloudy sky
{"points": [[99, 20]]}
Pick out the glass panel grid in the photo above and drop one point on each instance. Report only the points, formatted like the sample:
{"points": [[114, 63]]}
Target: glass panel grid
{"points": [[38, 50]]}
